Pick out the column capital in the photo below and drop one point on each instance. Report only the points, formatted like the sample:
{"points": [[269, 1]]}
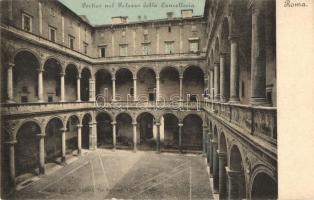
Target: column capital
{"points": [[180, 76], [221, 154], [78, 77], [113, 123], [91, 124], [40, 70], [157, 123], [216, 64], [232, 173], [41, 135], [180, 124], [62, 74], [234, 37], [11, 142], [113, 79], [79, 126], [134, 79], [63, 129], [134, 123], [10, 64], [222, 54]]}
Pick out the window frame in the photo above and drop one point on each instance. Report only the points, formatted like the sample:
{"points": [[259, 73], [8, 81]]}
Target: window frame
{"points": [[167, 44], [55, 34], [125, 47], [30, 22], [71, 38], [100, 52]]}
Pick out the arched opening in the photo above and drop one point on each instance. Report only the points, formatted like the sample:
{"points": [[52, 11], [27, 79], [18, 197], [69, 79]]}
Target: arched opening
{"points": [[104, 130], [71, 75], [124, 85], [146, 84], [124, 131], [193, 84], [51, 79], [85, 76], [104, 84], [225, 49], [87, 119], [215, 161], [264, 187], [236, 164], [192, 132], [25, 77], [27, 149], [169, 83], [53, 140], [147, 130], [171, 131], [71, 135], [222, 166]]}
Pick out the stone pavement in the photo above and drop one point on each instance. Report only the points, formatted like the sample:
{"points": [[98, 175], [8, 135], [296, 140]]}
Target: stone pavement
{"points": [[104, 174]]}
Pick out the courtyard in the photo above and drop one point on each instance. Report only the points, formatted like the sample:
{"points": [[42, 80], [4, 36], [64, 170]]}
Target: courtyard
{"points": [[107, 174]]}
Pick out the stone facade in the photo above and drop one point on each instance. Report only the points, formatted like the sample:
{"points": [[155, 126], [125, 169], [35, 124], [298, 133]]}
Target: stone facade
{"points": [[184, 84]]}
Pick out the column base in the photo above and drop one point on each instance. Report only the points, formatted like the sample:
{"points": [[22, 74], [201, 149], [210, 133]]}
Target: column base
{"points": [[63, 160], [42, 170], [234, 100], [78, 101], [256, 101], [79, 151], [40, 101], [10, 101]]}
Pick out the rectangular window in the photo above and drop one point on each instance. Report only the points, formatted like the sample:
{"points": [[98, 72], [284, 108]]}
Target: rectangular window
{"points": [[242, 89], [71, 42], [26, 22], [194, 46], [169, 47], [151, 96], [146, 49], [145, 37], [102, 52], [50, 99], [193, 98], [52, 34], [123, 49], [24, 99], [85, 47]]}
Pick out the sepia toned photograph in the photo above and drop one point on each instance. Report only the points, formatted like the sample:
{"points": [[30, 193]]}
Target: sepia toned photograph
{"points": [[141, 99]]}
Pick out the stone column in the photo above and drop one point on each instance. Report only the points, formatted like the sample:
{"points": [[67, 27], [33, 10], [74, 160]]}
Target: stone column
{"points": [[113, 89], [92, 91], [181, 87], [233, 183], [10, 83], [79, 138], [258, 67], [223, 95], [158, 137], [40, 85], [212, 86], [11, 161], [180, 137], [62, 86], [134, 136], [157, 88], [114, 134], [41, 146], [63, 139], [216, 80], [204, 139], [211, 157], [234, 70], [135, 89], [222, 174], [208, 149], [215, 167], [78, 81], [93, 136]]}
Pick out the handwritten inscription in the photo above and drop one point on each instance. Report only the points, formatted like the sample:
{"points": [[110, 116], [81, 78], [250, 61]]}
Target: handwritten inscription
{"points": [[294, 4]]}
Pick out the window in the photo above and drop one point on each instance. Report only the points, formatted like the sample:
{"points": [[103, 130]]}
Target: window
{"points": [[145, 37], [24, 99], [52, 12], [50, 99], [52, 34], [71, 42], [151, 96], [102, 52], [123, 49], [194, 46], [146, 49], [85, 47], [169, 29], [169, 47], [26, 22], [193, 98]]}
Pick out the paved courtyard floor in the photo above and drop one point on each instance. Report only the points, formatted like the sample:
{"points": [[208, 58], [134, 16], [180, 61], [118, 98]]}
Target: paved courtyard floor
{"points": [[104, 174]]}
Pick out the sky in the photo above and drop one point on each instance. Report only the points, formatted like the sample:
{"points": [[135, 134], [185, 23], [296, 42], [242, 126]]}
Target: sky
{"points": [[100, 11]]}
